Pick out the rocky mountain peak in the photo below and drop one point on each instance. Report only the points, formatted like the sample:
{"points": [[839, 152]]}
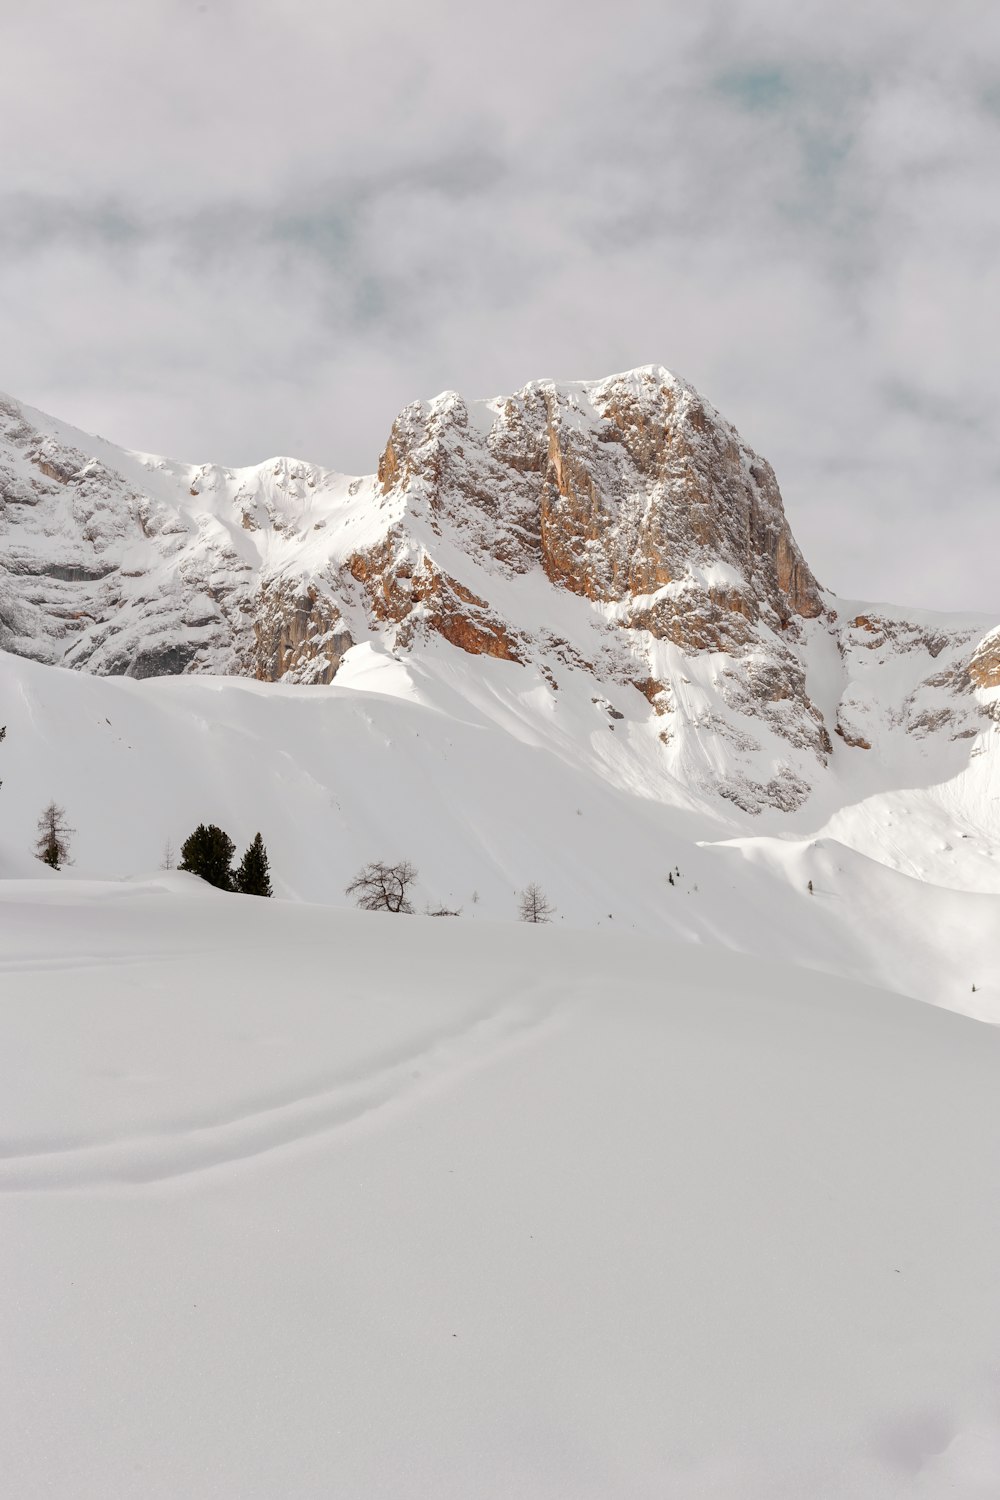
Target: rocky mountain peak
{"points": [[614, 533], [617, 489]]}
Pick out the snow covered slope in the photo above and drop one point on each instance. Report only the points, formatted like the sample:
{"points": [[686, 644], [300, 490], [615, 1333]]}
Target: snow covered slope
{"points": [[123, 562], [666, 1199], [486, 780], [300, 1203], [563, 636]]}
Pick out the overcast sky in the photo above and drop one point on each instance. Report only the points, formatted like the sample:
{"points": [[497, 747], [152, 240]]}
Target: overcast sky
{"points": [[232, 228]]}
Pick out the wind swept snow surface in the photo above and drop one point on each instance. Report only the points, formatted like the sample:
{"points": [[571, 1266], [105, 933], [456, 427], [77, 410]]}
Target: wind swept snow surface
{"points": [[306, 1203], [486, 780]]}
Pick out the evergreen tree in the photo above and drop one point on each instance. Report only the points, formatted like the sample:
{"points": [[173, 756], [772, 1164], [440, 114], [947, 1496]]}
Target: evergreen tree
{"points": [[52, 846], [253, 876], [208, 852]]}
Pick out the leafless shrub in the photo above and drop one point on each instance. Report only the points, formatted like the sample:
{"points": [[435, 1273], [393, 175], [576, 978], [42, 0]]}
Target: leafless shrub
{"points": [[382, 887]]}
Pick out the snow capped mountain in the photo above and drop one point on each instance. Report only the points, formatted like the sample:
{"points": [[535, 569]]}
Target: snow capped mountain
{"points": [[126, 564], [566, 635], [616, 531], [470, 1207]]}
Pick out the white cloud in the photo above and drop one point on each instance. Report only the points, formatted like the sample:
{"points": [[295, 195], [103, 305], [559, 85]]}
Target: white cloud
{"points": [[230, 229]]}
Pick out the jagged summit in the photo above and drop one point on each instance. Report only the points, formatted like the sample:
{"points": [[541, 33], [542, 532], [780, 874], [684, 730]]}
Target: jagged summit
{"points": [[618, 532], [617, 488]]}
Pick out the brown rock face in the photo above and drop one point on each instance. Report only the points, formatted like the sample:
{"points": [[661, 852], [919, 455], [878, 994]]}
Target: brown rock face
{"points": [[713, 619], [417, 595], [880, 631], [632, 494], [298, 636], [617, 491], [857, 741], [984, 668]]}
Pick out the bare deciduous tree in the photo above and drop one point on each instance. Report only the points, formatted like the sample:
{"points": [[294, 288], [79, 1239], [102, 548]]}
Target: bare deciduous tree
{"points": [[168, 861], [52, 846], [382, 887], [534, 906]]}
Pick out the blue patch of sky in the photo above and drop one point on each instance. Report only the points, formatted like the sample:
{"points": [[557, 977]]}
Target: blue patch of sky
{"points": [[328, 232], [757, 87], [32, 224], [813, 105], [369, 301]]}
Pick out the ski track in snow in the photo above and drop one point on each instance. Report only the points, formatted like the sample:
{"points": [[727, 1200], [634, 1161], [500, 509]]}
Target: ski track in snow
{"points": [[84, 961], [395, 1083]]}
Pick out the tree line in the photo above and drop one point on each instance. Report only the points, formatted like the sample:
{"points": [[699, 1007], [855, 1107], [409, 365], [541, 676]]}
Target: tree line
{"points": [[208, 853]]}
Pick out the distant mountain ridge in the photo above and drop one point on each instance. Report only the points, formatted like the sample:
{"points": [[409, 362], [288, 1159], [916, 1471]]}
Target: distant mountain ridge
{"points": [[616, 538]]}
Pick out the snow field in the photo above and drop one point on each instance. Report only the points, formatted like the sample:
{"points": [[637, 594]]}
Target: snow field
{"points": [[307, 1202], [666, 1199], [486, 780]]}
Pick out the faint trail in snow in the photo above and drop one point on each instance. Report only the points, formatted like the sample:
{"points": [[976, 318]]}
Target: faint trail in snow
{"points": [[30, 965], [389, 1086]]}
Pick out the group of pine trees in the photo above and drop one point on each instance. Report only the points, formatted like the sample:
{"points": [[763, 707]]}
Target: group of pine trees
{"points": [[208, 852]]}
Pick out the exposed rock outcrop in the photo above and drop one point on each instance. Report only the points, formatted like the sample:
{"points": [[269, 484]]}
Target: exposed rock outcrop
{"points": [[984, 668], [299, 635], [617, 490], [618, 529]]}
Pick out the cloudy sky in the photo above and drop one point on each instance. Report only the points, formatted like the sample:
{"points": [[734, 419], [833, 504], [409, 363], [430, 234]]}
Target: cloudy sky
{"points": [[231, 228]]}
